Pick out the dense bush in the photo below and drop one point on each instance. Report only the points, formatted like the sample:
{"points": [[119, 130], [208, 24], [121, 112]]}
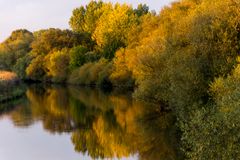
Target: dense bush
{"points": [[213, 130], [21, 65], [91, 73], [121, 75], [9, 87], [57, 65], [36, 69]]}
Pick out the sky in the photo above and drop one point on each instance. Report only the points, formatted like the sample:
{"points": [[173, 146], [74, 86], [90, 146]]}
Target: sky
{"points": [[42, 14]]}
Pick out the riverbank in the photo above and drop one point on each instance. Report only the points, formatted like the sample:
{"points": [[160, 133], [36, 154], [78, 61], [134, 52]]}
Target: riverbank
{"points": [[9, 86]]}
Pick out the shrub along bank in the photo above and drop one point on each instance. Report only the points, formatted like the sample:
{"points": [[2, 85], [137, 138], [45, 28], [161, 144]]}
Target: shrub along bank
{"points": [[10, 87]]}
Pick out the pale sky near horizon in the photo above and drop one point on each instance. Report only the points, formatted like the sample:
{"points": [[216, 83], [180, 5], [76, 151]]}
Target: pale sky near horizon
{"points": [[41, 14]]}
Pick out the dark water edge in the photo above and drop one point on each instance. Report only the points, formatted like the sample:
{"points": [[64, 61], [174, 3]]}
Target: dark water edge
{"points": [[11, 94], [98, 124]]}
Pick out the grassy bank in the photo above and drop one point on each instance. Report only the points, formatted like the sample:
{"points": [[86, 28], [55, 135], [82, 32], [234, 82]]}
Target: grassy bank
{"points": [[10, 87]]}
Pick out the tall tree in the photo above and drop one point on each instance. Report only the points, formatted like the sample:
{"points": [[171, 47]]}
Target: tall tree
{"points": [[84, 19]]}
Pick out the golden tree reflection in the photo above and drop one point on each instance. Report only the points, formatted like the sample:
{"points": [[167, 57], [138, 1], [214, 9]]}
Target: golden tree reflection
{"points": [[101, 125]]}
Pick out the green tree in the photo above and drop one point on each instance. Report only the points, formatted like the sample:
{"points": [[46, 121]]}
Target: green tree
{"points": [[14, 47], [84, 19], [78, 56], [141, 10]]}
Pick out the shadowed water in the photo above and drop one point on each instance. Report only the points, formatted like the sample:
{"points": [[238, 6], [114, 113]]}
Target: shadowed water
{"points": [[60, 123]]}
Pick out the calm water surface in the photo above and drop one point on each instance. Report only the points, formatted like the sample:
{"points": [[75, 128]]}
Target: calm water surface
{"points": [[70, 123]]}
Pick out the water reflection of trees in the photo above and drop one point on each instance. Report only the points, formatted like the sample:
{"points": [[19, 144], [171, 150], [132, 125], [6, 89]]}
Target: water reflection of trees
{"points": [[102, 125]]}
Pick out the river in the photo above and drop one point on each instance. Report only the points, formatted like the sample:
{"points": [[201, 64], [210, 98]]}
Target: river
{"points": [[55, 122]]}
